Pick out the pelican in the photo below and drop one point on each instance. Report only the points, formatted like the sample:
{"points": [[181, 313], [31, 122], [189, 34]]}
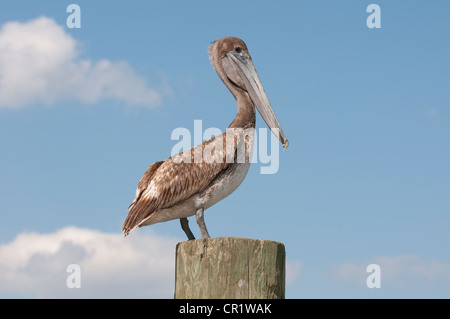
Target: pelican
{"points": [[187, 184]]}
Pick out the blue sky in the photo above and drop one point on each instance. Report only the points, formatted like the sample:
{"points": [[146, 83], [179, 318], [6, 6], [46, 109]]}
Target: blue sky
{"points": [[366, 177]]}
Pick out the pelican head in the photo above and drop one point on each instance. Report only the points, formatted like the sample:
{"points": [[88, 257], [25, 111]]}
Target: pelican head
{"points": [[233, 63]]}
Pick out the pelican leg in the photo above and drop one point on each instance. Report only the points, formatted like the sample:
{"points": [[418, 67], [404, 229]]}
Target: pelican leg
{"points": [[199, 216], [185, 226]]}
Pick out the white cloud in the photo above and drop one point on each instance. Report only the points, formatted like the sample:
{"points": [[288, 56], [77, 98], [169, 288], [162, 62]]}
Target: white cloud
{"points": [[292, 271], [39, 62], [141, 265], [399, 271], [138, 266]]}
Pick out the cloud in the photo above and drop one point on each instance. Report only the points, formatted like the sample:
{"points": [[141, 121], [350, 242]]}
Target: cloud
{"points": [[398, 271], [292, 271], [39, 62], [139, 266]]}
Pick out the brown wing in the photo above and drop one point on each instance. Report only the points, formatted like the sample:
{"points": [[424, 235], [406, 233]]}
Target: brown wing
{"points": [[169, 182]]}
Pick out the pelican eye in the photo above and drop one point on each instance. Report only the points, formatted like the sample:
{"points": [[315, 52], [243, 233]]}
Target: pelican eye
{"points": [[237, 49]]}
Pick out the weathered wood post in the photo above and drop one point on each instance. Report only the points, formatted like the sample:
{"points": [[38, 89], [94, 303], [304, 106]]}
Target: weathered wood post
{"points": [[230, 267]]}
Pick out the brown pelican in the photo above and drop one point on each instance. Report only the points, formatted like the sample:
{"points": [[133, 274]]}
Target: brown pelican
{"points": [[182, 185]]}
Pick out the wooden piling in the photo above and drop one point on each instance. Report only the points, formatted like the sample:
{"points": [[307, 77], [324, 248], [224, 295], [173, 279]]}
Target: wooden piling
{"points": [[230, 267]]}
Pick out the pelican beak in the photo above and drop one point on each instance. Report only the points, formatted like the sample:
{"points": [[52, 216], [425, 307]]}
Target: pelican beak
{"points": [[247, 78]]}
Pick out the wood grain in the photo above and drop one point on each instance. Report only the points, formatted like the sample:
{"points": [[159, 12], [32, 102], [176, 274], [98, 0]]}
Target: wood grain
{"points": [[230, 267]]}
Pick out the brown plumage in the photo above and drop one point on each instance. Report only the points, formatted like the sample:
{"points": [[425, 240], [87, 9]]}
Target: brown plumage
{"points": [[173, 182], [187, 184]]}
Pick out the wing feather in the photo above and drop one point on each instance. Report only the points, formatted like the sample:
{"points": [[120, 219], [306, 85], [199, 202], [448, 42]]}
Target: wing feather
{"points": [[167, 183]]}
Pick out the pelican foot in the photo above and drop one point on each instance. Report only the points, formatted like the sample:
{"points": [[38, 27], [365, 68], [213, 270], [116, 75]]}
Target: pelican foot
{"points": [[199, 216]]}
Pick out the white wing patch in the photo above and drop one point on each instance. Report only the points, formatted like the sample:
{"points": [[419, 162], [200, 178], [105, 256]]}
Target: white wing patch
{"points": [[151, 191]]}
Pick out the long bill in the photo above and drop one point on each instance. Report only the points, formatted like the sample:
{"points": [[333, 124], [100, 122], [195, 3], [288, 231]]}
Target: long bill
{"points": [[252, 84]]}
